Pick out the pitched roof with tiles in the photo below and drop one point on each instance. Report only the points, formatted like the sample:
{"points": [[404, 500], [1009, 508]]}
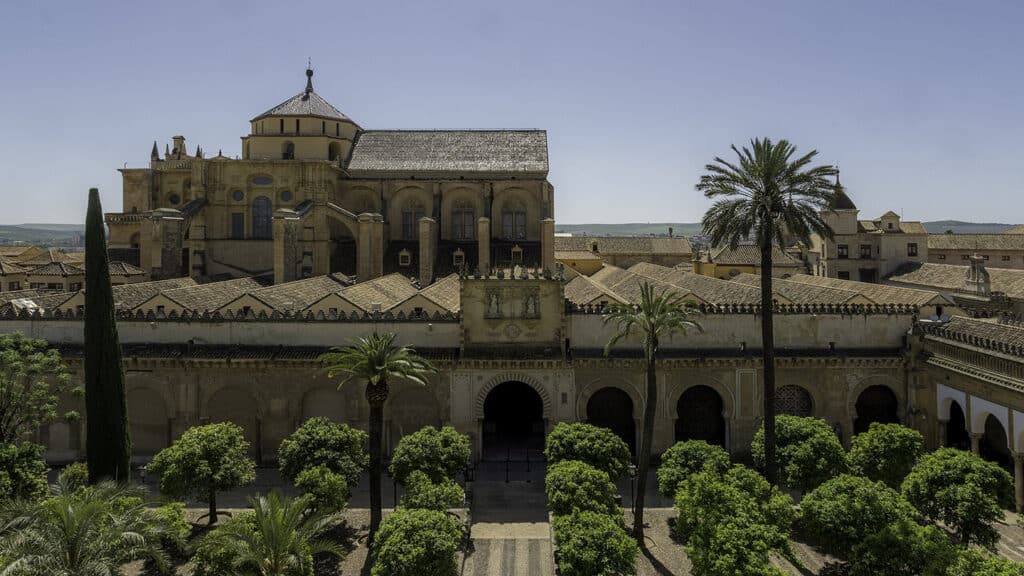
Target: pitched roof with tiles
{"points": [[799, 293], [386, 291], [750, 255], [1015, 230], [990, 330], [129, 296], [6, 297], [15, 251], [306, 103], [905, 227], [42, 301], [487, 151], [950, 277], [57, 269], [582, 290], [615, 245], [203, 297], [8, 268], [297, 295], [708, 289], [445, 292], [125, 269], [879, 293], [576, 255], [49, 256], [979, 242]]}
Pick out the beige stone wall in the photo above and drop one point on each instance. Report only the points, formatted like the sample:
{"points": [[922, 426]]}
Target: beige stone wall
{"points": [[996, 258]]}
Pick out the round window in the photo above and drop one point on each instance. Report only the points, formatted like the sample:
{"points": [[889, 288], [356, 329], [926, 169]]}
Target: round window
{"points": [[174, 199], [286, 196], [237, 195]]}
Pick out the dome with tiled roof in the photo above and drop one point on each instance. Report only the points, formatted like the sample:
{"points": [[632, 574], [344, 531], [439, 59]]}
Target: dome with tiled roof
{"points": [[840, 201], [305, 103]]}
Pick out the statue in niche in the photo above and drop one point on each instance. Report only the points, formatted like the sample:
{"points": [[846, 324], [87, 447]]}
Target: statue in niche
{"points": [[493, 306], [530, 309]]}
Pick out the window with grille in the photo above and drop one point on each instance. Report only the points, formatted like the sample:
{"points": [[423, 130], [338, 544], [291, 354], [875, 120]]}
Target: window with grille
{"points": [[513, 224], [462, 223], [517, 254], [458, 259], [793, 401], [411, 223], [843, 251], [262, 223]]}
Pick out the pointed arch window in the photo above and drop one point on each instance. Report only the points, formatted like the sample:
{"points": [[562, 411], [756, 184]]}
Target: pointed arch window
{"points": [[411, 215], [462, 222], [262, 225], [513, 223]]}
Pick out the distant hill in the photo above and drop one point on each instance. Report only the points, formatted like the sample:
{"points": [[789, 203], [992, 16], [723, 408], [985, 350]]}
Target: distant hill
{"points": [[694, 229], [43, 235]]}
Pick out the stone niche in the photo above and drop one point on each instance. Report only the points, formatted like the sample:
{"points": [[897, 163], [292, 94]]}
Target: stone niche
{"points": [[512, 311]]}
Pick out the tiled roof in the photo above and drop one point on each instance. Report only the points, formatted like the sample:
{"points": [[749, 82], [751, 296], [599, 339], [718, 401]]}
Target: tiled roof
{"points": [[576, 255], [129, 296], [445, 292], [57, 269], [991, 330], [904, 227], [501, 151], [297, 295], [979, 242], [610, 275], [9, 268], [614, 245], [841, 201], [6, 297], [708, 289], [582, 290], [203, 297], [750, 255], [14, 251], [43, 301], [798, 293], [878, 293], [305, 103], [386, 291], [49, 256], [125, 269], [950, 277], [1015, 230]]}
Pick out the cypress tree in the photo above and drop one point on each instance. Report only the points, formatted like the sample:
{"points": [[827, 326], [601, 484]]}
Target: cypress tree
{"points": [[108, 445]]}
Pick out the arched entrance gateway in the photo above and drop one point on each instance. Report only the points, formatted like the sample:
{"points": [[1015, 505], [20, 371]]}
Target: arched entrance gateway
{"points": [[994, 446], [699, 416], [956, 428], [513, 423], [876, 404], [612, 408]]}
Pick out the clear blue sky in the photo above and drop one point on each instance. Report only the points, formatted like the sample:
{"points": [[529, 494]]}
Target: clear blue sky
{"points": [[921, 102]]}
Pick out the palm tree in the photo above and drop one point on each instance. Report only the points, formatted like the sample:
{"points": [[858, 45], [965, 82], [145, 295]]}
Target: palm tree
{"points": [[767, 196], [657, 316], [377, 360], [288, 532], [82, 532]]}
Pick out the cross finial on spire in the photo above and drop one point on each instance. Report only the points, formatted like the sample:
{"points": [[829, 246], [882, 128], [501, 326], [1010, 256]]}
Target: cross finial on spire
{"points": [[837, 173], [309, 75]]}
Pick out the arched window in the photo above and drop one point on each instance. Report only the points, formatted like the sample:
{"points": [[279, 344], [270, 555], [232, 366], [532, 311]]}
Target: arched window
{"points": [[261, 218], [411, 214], [288, 151], [462, 222], [513, 223]]}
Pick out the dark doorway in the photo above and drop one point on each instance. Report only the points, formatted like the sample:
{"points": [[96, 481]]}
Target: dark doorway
{"points": [[612, 408], [342, 249], [956, 428], [513, 422], [993, 445], [699, 416], [876, 404]]}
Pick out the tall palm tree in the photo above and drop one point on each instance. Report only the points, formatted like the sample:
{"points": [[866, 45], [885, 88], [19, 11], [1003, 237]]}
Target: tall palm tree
{"points": [[288, 533], [657, 316], [88, 531], [767, 195], [377, 360]]}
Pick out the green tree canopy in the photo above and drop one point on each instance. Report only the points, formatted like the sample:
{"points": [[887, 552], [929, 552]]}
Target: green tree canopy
{"points": [[416, 542], [320, 442], [22, 472], [809, 452], [597, 446], [961, 490], [440, 454], [845, 510], [685, 459], [421, 492], [974, 562], [33, 377], [205, 460], [886, 453], [593, 544], [903, 548], [574, 486]]}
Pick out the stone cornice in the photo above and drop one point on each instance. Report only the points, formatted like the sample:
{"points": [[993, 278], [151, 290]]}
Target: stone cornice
{"points": [[959, 367]]}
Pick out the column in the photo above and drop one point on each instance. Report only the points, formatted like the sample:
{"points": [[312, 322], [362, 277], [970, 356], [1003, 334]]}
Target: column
{"points": [[976, 442], [370, 247], [428, 250], [547, 243], [286, 243], [941, 432], [483, 239], [1018, 479]]}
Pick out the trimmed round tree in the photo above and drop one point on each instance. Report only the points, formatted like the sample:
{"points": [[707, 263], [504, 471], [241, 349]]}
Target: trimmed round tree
{"points": [[205, 460], [440, 454], [903, 548], [886, 453], [593, 544], [809, 452], [324, 459], [416, 542], [845, 510], [597, 446], [961, 490], [974, 562], [574, 486], [421, 492], [686, 458]]}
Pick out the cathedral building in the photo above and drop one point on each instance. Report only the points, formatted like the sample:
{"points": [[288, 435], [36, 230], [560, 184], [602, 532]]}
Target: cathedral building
{"points": [[314, 193]]}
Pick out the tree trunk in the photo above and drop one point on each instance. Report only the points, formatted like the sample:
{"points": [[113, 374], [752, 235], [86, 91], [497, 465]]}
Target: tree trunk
{"points": [[213, 507], [376, 439], [768, 357], [644, 457], [107, 443]]}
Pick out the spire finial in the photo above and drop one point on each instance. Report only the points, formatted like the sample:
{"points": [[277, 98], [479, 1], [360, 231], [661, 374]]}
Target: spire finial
{"points": [[837, 174], [309, 76]]}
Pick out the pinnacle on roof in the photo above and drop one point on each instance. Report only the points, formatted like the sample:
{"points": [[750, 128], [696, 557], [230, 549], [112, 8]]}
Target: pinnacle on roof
{"points": [[840, 201], [306, 103]]}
